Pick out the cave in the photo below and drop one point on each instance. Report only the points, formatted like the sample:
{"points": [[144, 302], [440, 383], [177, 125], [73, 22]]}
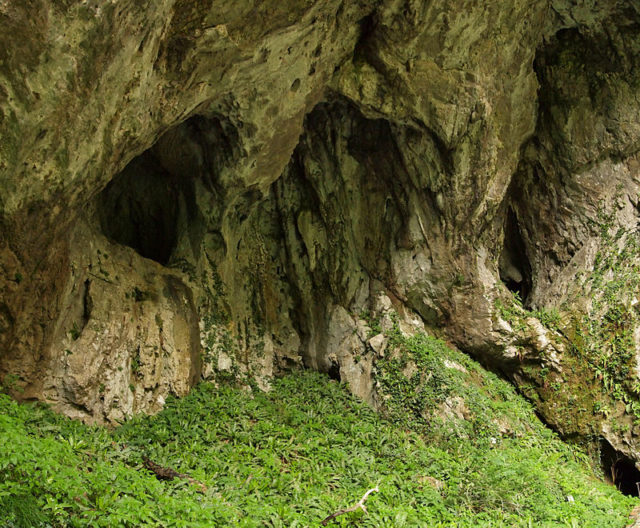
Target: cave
{"points": [[150, 203], [334, 371], [139, 208], [619, 469], [232, 192], [514, 265]]}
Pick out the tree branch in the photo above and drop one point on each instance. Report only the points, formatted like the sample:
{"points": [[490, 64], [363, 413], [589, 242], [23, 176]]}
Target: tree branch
{"points": [[357, 506], [167, 473]]}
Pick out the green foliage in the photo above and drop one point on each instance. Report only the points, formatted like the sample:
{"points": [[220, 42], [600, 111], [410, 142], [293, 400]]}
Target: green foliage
{"points": [[549, 317], [455, 404], [24, 510], [603, 338], [293, 456], [372, 323], [74, 332], [512, 312], [10, 383], [515, 314], [136, 362]]}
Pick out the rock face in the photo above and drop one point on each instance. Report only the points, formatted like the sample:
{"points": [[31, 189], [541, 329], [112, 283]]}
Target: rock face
{"points": [[197, 189]]}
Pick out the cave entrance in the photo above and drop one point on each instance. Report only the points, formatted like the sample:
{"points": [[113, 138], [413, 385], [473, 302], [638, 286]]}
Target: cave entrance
{"points": [[139, 208], [152, 201], [619, 469], [514, 266], [150, 204], [334, 371]]}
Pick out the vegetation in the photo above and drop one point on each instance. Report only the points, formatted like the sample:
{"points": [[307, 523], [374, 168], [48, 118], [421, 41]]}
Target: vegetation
{"points": [[455, 446], [603, 339], [514, 313]]}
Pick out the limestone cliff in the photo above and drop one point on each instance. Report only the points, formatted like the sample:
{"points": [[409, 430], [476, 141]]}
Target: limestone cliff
{"points": [[190, 189]]}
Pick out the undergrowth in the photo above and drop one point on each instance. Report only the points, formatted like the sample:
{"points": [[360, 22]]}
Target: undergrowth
{"points": [[306, 449]]}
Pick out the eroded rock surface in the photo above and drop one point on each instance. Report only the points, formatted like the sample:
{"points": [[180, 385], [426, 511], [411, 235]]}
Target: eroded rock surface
{"points": [[235, 189]]}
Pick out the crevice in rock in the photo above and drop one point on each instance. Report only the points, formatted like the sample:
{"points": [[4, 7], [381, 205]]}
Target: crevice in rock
{"points": [[367, 29], [619, 469], [334, 371], [87, 304], [515, 268], [6, 319]]}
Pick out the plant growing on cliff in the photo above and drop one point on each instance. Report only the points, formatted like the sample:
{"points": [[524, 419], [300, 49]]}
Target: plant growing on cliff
{"points": [[602, 338], [74, 332], [549, 317], [10, 383]]}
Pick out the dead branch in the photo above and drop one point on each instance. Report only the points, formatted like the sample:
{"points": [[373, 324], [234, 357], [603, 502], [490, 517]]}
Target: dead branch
{"points": [[167, 473], [357, 506]]}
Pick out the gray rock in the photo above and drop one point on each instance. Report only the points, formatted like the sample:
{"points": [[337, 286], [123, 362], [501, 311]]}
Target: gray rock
{"points": [[188, 188]]}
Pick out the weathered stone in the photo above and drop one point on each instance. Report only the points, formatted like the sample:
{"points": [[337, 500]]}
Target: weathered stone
{"points": [[452, 409], [195, 189], [378, 343]]}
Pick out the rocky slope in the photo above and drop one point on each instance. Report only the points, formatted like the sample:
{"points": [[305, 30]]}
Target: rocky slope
{"points": [[216, 188]]}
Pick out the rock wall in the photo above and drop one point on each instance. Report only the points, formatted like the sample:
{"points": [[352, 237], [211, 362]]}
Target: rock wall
{"points": [[213, 189]]}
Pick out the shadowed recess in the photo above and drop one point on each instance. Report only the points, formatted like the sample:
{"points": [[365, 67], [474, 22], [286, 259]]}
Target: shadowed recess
{"points": [[515, 269], [139, 208], [620, 470]]}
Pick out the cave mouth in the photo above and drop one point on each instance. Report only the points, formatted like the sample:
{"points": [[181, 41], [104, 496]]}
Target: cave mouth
{"points": [[514, 265], [152, 201], [619, 469], [334, 371], [139, 208]]}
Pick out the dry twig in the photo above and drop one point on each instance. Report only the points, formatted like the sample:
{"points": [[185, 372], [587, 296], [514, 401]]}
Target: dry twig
{"points": [[357, 506]]}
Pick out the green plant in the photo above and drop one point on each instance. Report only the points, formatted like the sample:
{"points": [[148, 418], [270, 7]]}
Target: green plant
{"points": [[10, 383], [306, 449], [549, 317], [74, 332], [512, 312], [373, 323], [602, 338], [135, 362]]}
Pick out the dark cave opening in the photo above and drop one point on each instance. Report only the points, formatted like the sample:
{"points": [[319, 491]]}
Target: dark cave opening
{"points": [[150, 203], [619, 469], [334, 371], [514, 266], [139, 208]]}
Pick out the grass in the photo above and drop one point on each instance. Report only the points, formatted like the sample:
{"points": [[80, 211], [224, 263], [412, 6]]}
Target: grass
{"points": [[294, 455]]}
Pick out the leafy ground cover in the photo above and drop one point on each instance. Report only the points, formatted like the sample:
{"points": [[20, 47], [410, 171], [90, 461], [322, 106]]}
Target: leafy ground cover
{"points": [[455, 447]]}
